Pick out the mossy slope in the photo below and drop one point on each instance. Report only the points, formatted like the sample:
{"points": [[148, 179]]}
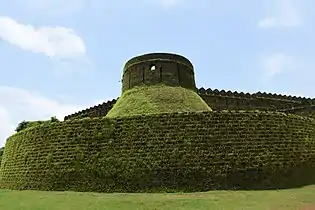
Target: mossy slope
{"points": [[164, 152], [157, 99]]}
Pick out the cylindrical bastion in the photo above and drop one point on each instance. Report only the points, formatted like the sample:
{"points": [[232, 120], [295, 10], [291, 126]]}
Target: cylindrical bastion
{"points": [[156, 68], [164, 152], [158, 83]]}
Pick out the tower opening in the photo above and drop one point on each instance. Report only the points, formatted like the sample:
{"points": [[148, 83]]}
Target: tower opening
{"points": [[152, 67]]}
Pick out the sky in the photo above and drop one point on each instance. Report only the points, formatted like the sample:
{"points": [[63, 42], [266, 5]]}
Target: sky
{"points": [[58, 57]]}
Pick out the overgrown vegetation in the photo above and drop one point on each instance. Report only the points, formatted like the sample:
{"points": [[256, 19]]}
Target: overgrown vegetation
{"points": [[227, 100], [1, 153], [27, 124], [157, 99], [163, 152]]}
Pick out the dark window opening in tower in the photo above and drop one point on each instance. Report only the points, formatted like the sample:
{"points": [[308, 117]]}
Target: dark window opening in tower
{"points": [[152, 67]]}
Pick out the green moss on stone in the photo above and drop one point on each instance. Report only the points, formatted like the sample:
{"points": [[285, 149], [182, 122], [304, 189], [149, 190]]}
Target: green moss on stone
{"points": [[163, 152], [157, 99]]}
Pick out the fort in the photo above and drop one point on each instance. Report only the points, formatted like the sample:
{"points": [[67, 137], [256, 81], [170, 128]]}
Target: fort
{"points": [[175, 70], [165, 134]]}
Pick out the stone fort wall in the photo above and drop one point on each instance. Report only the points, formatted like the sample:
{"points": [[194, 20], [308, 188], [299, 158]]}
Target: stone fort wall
{"points": [[156, 68], [174, 152], [176, 70], [228, 100]]}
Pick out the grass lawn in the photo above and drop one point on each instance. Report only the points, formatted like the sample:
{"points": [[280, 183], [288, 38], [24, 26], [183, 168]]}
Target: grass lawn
{"points": [[301, 198], [157, 99]]}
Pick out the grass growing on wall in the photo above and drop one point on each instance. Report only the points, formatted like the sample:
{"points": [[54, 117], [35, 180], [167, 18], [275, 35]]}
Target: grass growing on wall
{"points": [[163, 152], [157, 99]]}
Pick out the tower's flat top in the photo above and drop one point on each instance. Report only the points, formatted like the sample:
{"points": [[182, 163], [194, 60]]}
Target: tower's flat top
{"points": [[157, 56]]}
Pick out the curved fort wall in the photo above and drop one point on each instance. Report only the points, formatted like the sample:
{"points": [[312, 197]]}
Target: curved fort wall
{"points": [[179, 151], [176, 70], [222, 100], [227, 100], [305, 111]]}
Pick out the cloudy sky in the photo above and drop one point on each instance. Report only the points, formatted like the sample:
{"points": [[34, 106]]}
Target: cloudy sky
{"points": [[57, 56]]}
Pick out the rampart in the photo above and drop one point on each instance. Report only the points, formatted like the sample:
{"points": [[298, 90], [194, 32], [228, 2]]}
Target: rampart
{"points": [[95, 111], [175, 70], [306, 111], [165, 152], [226, 100]]}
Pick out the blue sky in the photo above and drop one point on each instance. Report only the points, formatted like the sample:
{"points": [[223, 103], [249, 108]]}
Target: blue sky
{"points": [[57, 57]]}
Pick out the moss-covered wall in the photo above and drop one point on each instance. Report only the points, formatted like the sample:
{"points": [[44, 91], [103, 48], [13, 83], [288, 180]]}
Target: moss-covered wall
{"points": [[157, 99], [225, 100], [188, 151], [306, 111], [169, 69], [270, 96]]}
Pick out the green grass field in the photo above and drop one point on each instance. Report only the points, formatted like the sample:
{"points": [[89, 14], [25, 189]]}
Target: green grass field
{"points": [[157, 99], [301, 198]]}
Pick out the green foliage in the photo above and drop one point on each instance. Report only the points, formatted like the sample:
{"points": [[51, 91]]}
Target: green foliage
{"points": [[27, 124], [21, 126], [157, 99], [1, 153], [54, 119], [163, 152]]}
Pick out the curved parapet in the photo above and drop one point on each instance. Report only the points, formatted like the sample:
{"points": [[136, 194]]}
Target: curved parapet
{"points": [[175, 152], [155, 68], [226, 100], [264, 95], [306, 111], [99, 110], [221, 100]]}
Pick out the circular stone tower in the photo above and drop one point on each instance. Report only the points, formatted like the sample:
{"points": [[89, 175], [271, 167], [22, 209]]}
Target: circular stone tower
{"points": [[157, 68], [158, 83]]}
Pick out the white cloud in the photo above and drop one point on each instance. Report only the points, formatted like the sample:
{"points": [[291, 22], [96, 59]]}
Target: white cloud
{"points": [[58, 41], [286, 15], [18, 104], [278, 63]]}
